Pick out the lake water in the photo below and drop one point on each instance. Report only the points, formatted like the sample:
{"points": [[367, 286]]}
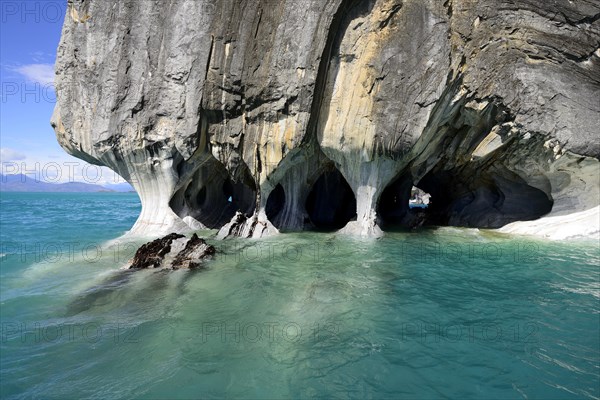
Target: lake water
{"points": [[435, 313]]}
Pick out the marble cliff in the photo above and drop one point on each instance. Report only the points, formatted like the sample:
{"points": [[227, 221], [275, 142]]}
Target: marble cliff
{"points": [[259, 116]]}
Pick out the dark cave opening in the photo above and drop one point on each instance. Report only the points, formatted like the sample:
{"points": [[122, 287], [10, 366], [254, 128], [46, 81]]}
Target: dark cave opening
{"points": [[464, 197], [275, 204], [479, 199], [212, 197], [331, 203], [241, 196], [393, 203], [402, 205]]}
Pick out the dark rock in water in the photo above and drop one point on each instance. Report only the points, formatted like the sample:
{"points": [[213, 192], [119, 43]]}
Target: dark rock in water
{"points": [[196, 250], [151, 255], [173, 251]]}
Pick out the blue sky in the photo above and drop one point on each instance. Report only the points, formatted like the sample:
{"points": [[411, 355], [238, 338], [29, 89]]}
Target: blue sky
{"points": [[29, 36]]}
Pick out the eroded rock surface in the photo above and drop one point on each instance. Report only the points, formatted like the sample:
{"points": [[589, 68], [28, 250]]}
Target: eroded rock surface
{"points": [[322, 114], [173, 251]]}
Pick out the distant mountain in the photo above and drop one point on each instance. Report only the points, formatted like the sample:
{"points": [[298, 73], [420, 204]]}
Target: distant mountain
{"points": [[120, 187], [24, 183]]}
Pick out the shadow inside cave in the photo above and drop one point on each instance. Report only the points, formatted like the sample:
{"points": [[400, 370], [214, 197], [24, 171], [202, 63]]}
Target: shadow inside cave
{"points": [[331, 203], [212, 197]]}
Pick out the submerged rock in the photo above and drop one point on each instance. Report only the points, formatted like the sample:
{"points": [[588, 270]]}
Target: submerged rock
{"points": [[323, 114], [173, 251]]}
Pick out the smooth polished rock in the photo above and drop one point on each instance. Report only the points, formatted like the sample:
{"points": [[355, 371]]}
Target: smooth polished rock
{"points": [[266, 108], [173, 252]]}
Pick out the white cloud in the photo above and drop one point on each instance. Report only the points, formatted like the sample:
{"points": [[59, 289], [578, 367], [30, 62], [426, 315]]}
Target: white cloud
{"points": [[41, 56], [7, 154], [37, 73]]}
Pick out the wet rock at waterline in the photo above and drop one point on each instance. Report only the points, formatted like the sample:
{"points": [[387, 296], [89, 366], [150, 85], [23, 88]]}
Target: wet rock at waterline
{"points": [[323, 114], [244, 226], [173, 251]]}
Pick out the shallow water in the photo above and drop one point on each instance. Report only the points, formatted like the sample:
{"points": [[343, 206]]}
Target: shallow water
{"points": [[456, 313]]}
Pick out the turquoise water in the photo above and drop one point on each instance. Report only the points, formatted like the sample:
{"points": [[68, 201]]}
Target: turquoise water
{"points": [[446, 313]]}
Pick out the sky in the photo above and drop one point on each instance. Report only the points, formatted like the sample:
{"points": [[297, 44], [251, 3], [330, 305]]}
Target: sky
{"points": [[29, 36]]}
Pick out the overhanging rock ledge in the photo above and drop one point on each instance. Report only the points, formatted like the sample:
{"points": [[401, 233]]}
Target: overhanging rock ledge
{"points": [[313, 114]]}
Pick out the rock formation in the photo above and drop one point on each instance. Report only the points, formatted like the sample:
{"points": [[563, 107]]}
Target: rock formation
{"points": [[173, 251], [277, 115]]}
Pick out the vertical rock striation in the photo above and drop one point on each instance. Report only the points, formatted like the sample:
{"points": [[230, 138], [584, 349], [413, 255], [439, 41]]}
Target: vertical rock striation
{"points": [[260, 116]]}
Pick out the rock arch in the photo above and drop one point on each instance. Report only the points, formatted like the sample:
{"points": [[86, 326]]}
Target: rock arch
{"points": [[211, 197], [482, 199]]}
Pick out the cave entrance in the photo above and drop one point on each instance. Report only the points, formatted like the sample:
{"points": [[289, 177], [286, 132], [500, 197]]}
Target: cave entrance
{"points": [[212, 197], [483, 199], [331, 203], [275, 204], [402, 204], [419, 199], [240, 196]]}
